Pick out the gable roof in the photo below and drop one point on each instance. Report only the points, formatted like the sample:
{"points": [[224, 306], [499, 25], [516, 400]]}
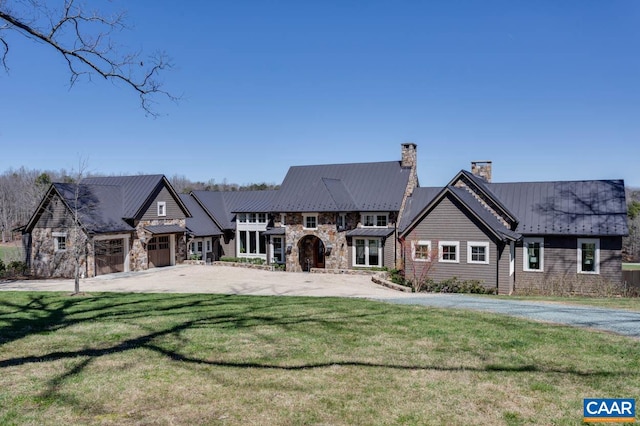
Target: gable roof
{"points": [[427, 198], [136, 191], [222, 206], [591, 207], [343, 187], [104, 204], [199, 224]]}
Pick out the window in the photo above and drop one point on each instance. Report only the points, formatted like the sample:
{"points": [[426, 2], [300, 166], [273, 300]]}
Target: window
{"points": [[199, 246], [449, 251], [252, 242], [367, 252], [262, 217], [162, 208], [421, 250], [60, 241], [378, 220], [341, 221], [588, 256], [477, 252], [310, 221], [242, 218], [252, 217], [278, 253], [533, 251], [208, 245]]}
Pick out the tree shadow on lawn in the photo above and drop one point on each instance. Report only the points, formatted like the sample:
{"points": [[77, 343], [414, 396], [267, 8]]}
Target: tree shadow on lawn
{"points": [[47, 313]]}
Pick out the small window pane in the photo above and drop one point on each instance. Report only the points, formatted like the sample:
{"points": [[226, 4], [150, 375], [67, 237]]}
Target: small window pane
{"points": [[533, 255], [588, 257], [381, 220], [449, 253], [478, 254], [360, 259], [422, 251]]}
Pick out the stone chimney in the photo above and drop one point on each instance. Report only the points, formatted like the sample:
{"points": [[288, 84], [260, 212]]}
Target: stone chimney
{"points": [[409, 155], [482, 169]]}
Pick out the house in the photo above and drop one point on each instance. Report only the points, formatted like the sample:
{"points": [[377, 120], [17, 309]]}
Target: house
{"points": [[202, 231], [113, 224], [243, 218], [516, 237], [341, 216], [333, 216]]}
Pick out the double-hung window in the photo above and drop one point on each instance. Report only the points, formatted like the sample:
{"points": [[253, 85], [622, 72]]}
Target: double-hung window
{"points": [[60, 241], [588, 256]]}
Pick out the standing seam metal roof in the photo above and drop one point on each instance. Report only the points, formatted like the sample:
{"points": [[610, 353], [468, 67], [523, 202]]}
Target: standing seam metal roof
{"points": [[343, 187]]}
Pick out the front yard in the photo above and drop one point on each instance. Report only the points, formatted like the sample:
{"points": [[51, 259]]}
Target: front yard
{"points": [[215, 359]]}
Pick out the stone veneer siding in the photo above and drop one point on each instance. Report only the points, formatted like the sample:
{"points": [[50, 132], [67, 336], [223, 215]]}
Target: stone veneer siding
{"points": [[326, 231]]}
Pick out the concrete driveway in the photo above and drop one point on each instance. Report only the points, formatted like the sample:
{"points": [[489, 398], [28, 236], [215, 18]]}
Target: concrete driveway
{"points": [[221, 280], [230, 280]]}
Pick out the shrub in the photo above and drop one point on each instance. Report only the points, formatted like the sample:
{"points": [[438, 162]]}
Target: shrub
{"points": [[2, 267], [397, 276], [454, 285], [17, 266], [254, 261]]}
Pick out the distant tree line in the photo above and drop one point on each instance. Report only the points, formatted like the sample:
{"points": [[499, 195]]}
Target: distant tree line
{"points": [[22, 189]]}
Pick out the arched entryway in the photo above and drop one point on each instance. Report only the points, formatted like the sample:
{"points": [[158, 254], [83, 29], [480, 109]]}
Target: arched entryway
{"points": [[311, 252]]}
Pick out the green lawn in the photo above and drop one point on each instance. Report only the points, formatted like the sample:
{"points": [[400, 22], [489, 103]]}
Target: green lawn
{"points": [[10, 253], [236, 360], [630, 266]]}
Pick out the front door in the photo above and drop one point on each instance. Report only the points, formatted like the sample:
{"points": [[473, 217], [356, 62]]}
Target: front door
{"points": [[311, 251], [159, 251]]}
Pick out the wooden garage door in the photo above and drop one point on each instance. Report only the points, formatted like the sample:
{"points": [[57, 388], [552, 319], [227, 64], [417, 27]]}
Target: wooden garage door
{"points": [[109, 256], [159, 251]]}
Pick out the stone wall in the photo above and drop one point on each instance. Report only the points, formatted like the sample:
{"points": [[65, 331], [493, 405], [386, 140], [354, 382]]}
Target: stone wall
{"points": [[49, 263]]}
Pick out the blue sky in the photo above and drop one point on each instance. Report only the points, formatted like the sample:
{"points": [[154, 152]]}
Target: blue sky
{"points": [[547, 90]]}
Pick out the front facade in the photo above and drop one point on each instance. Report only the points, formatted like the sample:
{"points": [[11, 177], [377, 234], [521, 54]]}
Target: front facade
{"points": [[113, 224]]}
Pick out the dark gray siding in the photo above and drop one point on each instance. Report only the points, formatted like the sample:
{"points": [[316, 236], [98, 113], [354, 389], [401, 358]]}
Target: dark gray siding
{"points": [[55, 215], [560, 274], [505, 281], [448, 222], [173, 208], [389, 252]]}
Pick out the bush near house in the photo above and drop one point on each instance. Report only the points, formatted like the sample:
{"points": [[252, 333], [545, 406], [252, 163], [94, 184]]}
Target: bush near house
{"points": [[253, 261]]}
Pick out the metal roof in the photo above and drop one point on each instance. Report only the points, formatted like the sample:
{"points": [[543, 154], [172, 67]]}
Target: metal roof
{"points": [[590, 207], [280, 230], [136, 191], [99, 207], [419, 199], [199, 224], [343, 187], [165, 229], [370, 232], [223, 205]]}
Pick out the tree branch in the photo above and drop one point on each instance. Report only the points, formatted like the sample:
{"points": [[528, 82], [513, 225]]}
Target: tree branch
{"points": [[85, 41]]}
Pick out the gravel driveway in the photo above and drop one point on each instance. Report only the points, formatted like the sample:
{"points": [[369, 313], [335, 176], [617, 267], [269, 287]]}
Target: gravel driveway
{"points": [[230, 280]]}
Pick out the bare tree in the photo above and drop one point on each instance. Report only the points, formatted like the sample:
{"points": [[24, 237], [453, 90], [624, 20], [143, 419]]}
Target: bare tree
{"points": [[86, 41]]}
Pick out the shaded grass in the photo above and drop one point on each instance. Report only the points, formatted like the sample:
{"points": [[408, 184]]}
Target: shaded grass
{"points": [[10, 253], [214, 359]]}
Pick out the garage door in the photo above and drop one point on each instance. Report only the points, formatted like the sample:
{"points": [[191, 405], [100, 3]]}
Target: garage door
{"points": [[109, 256], [159, 251]]}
